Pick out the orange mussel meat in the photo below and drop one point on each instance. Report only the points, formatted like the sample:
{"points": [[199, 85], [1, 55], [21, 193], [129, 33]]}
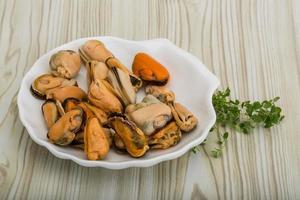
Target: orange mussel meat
{"points": [[150, 70]]}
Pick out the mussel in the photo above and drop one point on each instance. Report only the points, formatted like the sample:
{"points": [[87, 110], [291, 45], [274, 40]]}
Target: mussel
{"points": [[183, 117], [66, 92], [50, 113], [79, 138], [113, 62], [149, 115], [47, 82], [149, 70], [100, 114], [96, 71], [132, 137], [65, 63], [168, 136], [95, 50], [62, 132], [101, 94], [120, 81], [96, 145], [70, 103], [161, 93]]}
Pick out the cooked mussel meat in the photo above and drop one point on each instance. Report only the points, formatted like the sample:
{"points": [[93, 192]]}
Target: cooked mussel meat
{"points": [[149, 115], [62, 132], [100, 114], [50, 113], [96, 145], [166, 137], [120, 81], [101, 94], [161, 93], [133, 138], [47, 82], [94, 50], [65, 63], [63, 93], [96, 71], [183, 117], [149, 70]]}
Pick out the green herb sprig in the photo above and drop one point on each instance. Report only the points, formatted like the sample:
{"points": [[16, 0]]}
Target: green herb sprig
{"points": [[241, 116]]}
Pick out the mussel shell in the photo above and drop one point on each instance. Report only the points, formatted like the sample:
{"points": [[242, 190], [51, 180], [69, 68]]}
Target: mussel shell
{"points": [[70, 103], [37, 94]]}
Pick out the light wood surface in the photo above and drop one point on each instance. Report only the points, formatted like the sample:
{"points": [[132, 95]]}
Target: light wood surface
{"points": [[252, 46]]}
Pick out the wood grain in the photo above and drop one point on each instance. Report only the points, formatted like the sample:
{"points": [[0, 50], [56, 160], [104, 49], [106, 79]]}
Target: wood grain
{"points": [[252, 46]]}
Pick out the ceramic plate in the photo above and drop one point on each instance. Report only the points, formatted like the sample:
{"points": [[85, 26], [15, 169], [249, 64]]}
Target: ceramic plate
{"points": [[191, 81]]}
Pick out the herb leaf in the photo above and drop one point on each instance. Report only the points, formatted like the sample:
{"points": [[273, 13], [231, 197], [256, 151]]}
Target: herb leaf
{"points": [[242, 116]]}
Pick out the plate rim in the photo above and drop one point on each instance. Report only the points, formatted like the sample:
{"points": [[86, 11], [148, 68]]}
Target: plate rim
{"points": [[214, 83]]}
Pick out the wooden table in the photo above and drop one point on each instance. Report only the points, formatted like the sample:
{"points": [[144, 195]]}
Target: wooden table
{"points": [[252, 46]]}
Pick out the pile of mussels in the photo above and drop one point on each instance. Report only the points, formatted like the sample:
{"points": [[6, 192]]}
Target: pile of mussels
{"points": [[108, 115]]}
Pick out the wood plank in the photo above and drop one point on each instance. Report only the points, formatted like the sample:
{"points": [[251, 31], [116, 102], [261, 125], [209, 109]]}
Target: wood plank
{"points": [[252, 46]]}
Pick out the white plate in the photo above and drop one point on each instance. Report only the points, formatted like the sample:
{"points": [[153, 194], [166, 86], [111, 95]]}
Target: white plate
{"points": [[192, 83]]}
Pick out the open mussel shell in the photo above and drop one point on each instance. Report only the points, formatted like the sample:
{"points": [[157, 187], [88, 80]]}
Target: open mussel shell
{"points": [[166, 137], [133, 138], [96, 144], [62, 132], [47, 82]]}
